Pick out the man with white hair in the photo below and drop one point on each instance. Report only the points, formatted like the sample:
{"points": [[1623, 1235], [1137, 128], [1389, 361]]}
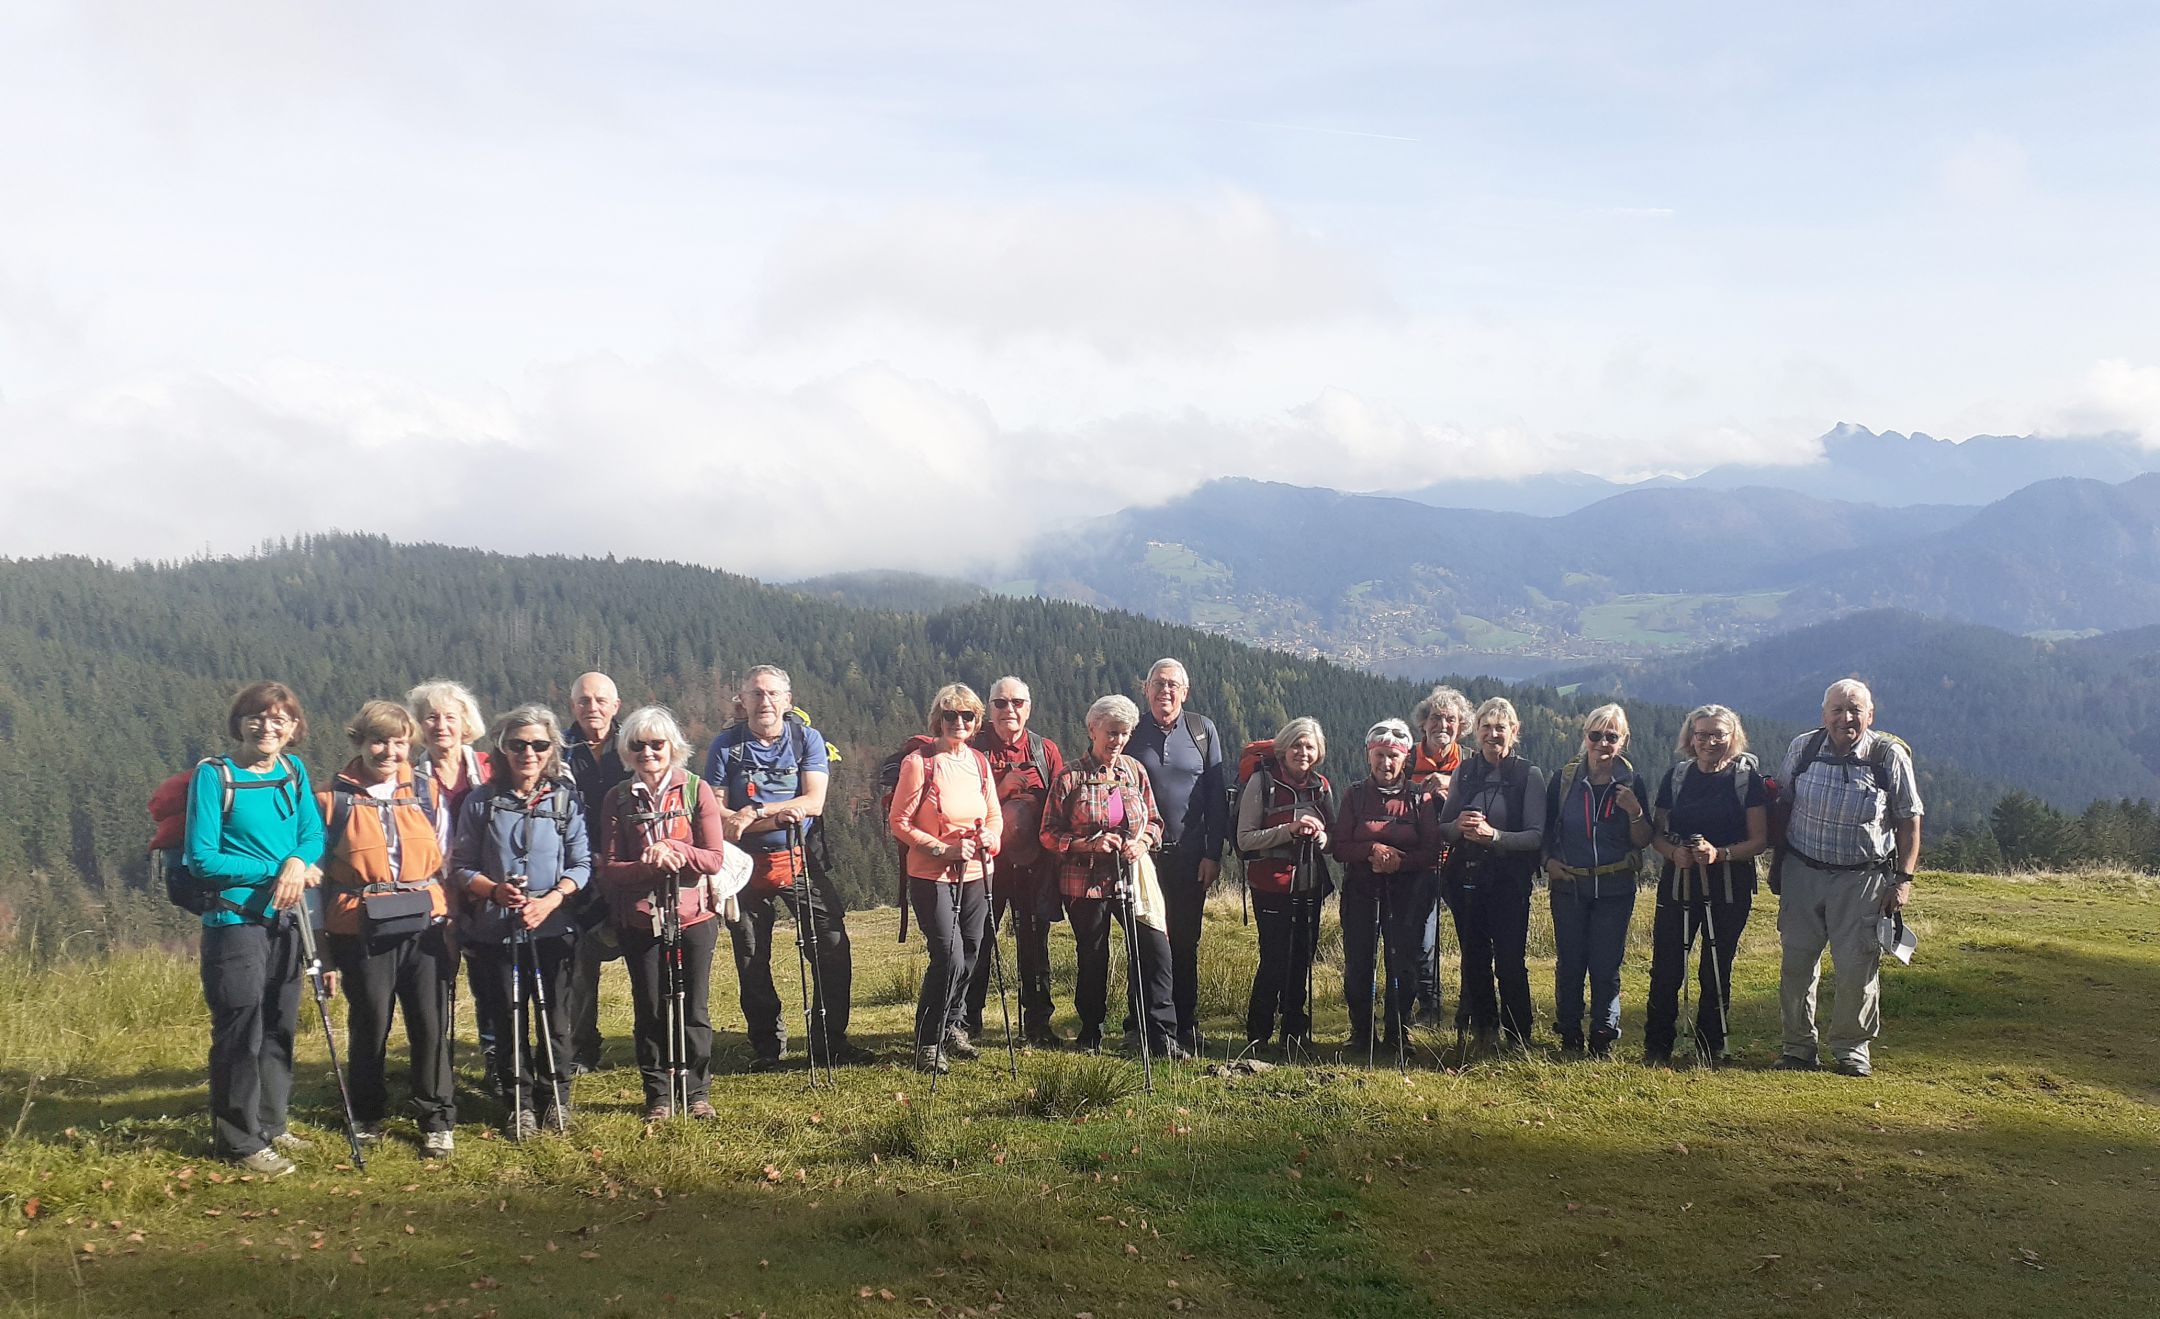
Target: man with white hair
{"points": [[590, 756], [1848, 822], [1183, 755]]}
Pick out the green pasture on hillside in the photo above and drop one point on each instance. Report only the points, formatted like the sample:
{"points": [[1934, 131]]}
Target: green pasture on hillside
{"points": [[2004, 1160], [1674, 621]]}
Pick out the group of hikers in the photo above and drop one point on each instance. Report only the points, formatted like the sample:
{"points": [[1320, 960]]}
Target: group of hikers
{"points": [[545, 853]]}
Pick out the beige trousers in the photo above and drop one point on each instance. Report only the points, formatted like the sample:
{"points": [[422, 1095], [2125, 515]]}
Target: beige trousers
{"points": [[1837, 909]]}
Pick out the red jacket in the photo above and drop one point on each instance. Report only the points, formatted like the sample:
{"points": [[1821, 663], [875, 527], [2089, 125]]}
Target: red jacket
{"points": [[1404, 819], [632, 887]]}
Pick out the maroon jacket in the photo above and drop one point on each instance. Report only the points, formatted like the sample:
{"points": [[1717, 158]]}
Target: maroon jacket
{"points": [[1403, 819]]}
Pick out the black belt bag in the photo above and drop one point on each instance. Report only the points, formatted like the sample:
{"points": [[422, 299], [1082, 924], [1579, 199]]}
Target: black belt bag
{"points": [[397, 913]]}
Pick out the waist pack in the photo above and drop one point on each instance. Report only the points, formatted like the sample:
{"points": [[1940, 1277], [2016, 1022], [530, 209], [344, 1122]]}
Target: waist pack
{"points": [[397, 913]]}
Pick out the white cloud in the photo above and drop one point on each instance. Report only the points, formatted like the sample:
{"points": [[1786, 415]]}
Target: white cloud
{"points": [[1125, 276]]}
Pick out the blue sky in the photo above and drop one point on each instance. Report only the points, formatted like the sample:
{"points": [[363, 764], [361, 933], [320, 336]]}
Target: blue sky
{"points": [[1068, 258]]}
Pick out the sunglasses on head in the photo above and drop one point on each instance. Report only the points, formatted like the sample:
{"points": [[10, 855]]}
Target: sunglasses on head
{"points": [[1008, 702], [538, 747], [648, 744], [1605, 736], [958, 716]]}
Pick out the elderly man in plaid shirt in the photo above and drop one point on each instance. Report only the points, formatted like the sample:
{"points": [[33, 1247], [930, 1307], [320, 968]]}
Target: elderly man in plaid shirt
{"points": [[1850, 813]]}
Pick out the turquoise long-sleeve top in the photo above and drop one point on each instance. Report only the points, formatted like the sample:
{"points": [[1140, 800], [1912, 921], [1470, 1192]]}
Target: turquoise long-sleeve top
{"points": [[240, 851]]}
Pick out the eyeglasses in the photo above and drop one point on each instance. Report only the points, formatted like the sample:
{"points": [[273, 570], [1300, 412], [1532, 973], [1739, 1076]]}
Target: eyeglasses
{"points": [[269, 719], [1608, 737], [958, 716], [1009, 702], [520, 746], [654, 744]]}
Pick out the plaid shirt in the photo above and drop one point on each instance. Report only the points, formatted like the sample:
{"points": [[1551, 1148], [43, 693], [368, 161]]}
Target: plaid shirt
{"points": [[1840, 817], [1079, 808]]}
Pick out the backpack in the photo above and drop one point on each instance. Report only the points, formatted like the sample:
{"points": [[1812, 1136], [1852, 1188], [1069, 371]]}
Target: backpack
{"points": [[556, 809], [1743, 764], [1260, 755], [168, 839], [1877, 762], [342, 799], [817, 848]]}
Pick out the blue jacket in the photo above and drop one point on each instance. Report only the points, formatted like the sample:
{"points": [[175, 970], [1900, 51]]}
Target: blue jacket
{"points": [[1192, 794], [496, 839]]}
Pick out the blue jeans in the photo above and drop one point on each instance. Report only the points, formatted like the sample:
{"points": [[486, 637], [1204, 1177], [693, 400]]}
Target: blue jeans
{"points": [[1590, 924]]}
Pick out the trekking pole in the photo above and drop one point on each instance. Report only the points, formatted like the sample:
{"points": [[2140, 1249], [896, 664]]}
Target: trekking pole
{"points": [[807, 949], [547, 1036], [1132, 974], [1682, 885], [678, 1026], [519, 1053], [320, 980], [997, 965], [1717, 971], [1312, 938], [1387, 990]]}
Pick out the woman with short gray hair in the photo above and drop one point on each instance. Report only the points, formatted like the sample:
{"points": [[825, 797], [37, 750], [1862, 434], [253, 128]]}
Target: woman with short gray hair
{"points": [[1099, 821], [1285, 810]]}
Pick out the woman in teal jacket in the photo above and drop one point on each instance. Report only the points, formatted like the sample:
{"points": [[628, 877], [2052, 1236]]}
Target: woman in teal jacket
{"points": [[254, 836]]}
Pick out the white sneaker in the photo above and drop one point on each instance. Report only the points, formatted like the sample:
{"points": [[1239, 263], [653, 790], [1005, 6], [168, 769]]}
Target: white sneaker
{"points": [[286, 1140], [367, 1133], [267, 1162], [437, 1144]]}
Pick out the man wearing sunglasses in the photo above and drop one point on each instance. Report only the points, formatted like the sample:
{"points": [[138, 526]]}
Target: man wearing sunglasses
{"points": [[1025, 766], [774, 768], [596, 768]]}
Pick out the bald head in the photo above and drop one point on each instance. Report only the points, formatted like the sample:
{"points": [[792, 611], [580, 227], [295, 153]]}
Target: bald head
{"points": [[593, 703]]}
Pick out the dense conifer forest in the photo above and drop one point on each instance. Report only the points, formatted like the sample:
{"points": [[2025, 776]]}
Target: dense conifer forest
{"points": [[113, 677]]}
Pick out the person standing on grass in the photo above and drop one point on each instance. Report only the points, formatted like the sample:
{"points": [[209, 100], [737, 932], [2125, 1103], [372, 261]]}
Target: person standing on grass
{"points": [[1387, 835], [522, 855], [386, 919], [1494, 823], [254, 838], [1286, 807], [1183, 755], [1098, 822], [945, 809], [1713, 820], [774, 769], [1849, 821], [1440, 720], [1596, 825], [443, 757], [596, 769], [662, 825], [1024, 882]]}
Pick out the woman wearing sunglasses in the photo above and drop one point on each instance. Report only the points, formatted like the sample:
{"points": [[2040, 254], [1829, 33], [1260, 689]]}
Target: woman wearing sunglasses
{"points": [[1494, 824], [945, 810], [1596, 825], [661, 829], [521, 850]]}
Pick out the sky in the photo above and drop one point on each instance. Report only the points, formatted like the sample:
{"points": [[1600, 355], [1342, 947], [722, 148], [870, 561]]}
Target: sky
{"points": [[796, 289]]}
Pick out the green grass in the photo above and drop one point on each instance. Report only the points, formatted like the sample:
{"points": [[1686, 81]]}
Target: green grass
{"points": [[2003, 1161], [1182, 564]]}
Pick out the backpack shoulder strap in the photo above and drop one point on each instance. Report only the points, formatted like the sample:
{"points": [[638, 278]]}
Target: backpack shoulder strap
{"points": [[226, 782], [1811, 752], [341, 804], [1039, 757], [689, 797], [1196, 729]]}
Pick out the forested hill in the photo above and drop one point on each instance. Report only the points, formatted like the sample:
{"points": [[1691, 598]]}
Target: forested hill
{"points": [[112, 678]]}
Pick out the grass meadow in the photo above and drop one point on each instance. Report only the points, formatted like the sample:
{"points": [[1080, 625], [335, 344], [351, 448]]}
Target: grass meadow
{"points": [[2005, 1159]]}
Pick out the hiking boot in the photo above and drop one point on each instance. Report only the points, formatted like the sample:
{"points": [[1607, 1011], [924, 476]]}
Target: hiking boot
{"points": [[1191, 1041], [267, 1162], [437, 1144], [659, 1113], [1170, 1051], [1360, 1041], [1854, 1067], [845, 1053], [1571, 1043], [765, 1062], [554, 1119], [702, 1110], [929, 1059], [1090, 1040], [1043, 1035], [1792, 1062], [1657, 1058], [1601, 1042], [367, 1133], [521, 1125], [960, 1046]]}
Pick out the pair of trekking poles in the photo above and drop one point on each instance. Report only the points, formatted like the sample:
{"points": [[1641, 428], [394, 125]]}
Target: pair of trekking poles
{"points": [[1688, 885]]}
